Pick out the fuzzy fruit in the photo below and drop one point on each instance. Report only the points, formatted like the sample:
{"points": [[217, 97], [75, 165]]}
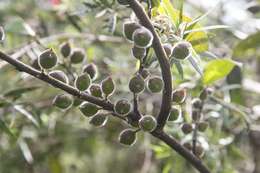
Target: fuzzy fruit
{"points": [[155, 84], [88, 109], [48, 59], [168, 49], [179, 96], [186, 128], [59, 75], [77, 56], [196, 103], [129, 28], [98, 120], [127, 137], [122, 107], [142, 37], [202, 126], [91, 70], [82, 82], [65, 49], [2, 33], [95, 90], [181, 50], [145, 73], [108, 86], [138, 52], [62, 101], [147, 123], [174, 114], [136, 84]]}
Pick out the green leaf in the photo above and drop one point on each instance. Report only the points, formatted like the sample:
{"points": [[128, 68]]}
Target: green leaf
{"points": [[217, 69], [5, 128]]}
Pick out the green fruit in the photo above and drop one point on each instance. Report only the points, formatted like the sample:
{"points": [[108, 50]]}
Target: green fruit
{"points": [[174, 114], [168, 49], [91, 70], [65, 49], [122, 107], [143, 37], [155, 84], [179, 96], [136, 84], [63, 101], [2, 33], [145, 73], [127, 137], [202, 126], [95, 90], [197, 103], [148, 123], [196, 114], [35, 64], [98, 120], [77, 56], [129, 28], [181, 50], [187, 145], [48, 59], [108, 86], [199, 151], [88, 109], [60, 76], [186, 128], [122, 2], [138, 53], [82, 82], [77, 102]]}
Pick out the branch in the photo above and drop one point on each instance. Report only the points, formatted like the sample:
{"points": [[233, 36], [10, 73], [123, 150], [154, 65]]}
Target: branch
{"points": [[163, 61]]}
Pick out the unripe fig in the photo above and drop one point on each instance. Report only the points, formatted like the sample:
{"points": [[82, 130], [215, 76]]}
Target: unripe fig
{"points": [[65, 49], [77, 56], [142, 37], [98, 120], [122, 107], [129, 28], [62, 101], [186, 128], [2, 33], [174, 114], [187, 145], [108, 86], [181, 50], [127, 137], [82, 82], [155, 84], [77, 102], [59, 75], [168, 49], [91, 70], [145, 73], [136, 84], [199, 151], [122, 2], [138, 52], [48, 59], [88, 109], [179, 96], [196, 114], [197, 103], [147, 123], [202, 126], [95, 90]]}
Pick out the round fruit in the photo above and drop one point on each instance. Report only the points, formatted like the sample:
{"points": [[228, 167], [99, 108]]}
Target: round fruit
{"points": [[145, 73], [108, 86], [155, 84], [197, 103], [142, 37], [168, 49], [129, 28], [199, 151], [202, 126], [196, 114], [147, 123], [181, 50], [186, 128], [48, 59], [77, 56], [179, 96], [136, 84], [122, 107], [2, 33], [174, 114], [82, 82], [88, 109], [127, 137], [187, 145], [77, 102], [63, 101], [59, 75], [138, 53], [65, 49], [122, 2], [98, 120], [91, 70], [95, 90]]}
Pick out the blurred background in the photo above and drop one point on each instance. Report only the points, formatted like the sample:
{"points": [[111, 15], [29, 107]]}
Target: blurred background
{"points": [[38, 138]]}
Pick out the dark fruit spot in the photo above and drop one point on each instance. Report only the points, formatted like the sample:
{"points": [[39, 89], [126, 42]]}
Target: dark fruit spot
{"points": [[77, 56], [91, 70], [65, 49], [186, 128]]}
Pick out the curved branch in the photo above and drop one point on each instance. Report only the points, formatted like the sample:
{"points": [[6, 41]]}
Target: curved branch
{"points": [[163, 61]]}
